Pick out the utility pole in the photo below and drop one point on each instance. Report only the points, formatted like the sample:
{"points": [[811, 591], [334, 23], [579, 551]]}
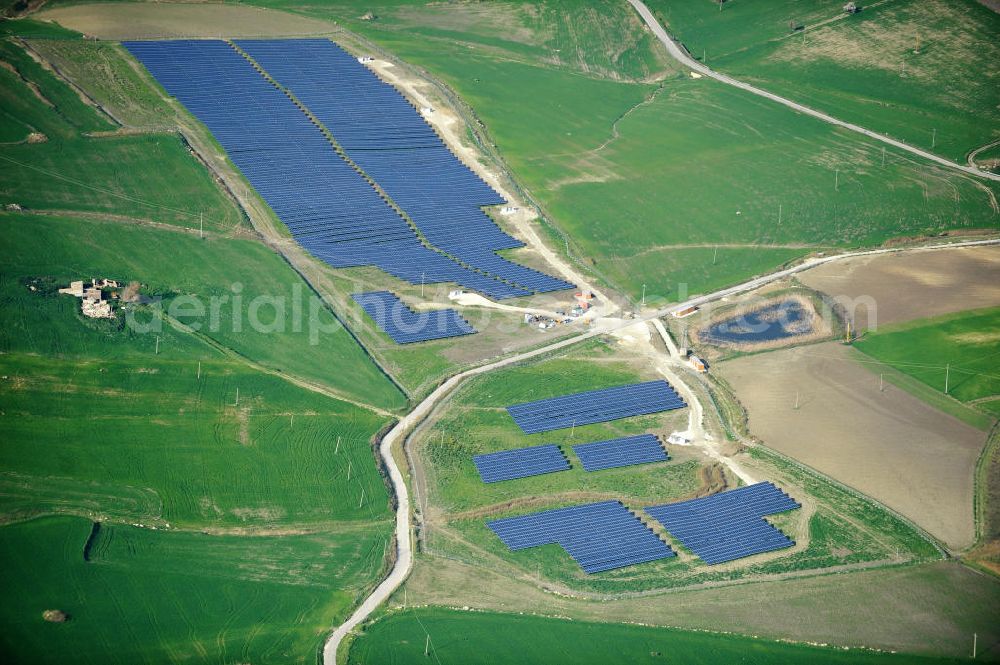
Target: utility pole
{"points": [[348, 469], [422, 275], [880, 384], [779, 220], [836, 180], [337, 450], [157, 352], [360, 503], [933, 138], [947, 373], [715, 255], [796, 400], [883, 157], [237, 396], [201, 224], [291, 422], [975, 639], [572, 430], [427, 646], [643, 304]]}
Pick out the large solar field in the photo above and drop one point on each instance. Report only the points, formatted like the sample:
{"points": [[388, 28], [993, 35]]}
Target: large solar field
{"points": [[261, 101]]}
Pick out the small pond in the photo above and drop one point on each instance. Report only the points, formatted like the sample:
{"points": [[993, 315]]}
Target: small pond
{"points": [[775, 321]]}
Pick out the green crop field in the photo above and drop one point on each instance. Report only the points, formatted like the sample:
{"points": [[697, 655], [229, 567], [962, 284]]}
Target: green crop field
{"points": [[487, 637], [918, 70], [962, 348], [174, 264], [647, 178], [141, 596], [151, 176]]}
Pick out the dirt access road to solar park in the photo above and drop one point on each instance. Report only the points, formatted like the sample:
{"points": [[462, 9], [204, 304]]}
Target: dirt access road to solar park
{"points": [[398, 435], [678, 52]]}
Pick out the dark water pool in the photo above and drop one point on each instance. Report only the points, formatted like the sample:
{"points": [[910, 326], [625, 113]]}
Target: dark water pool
{"points": [[779, 320]]}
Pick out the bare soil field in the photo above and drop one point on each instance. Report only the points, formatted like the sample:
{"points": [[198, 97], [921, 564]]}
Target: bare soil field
{"points": [[887, 444], [119, 21], [931, 608], [890, 288]]}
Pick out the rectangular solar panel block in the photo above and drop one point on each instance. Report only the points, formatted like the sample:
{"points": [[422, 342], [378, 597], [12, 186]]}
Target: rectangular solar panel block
{"points": [[520, 463], [404, 325], [595, 406], [729, 525], [624, 451]]}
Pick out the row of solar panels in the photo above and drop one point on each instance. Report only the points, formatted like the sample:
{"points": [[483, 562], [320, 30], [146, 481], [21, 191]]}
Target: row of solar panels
{"points": [[326, 204], [595, 406], [730, 525], [599, 536], [404, 325], [537, 460], [606, 535]]}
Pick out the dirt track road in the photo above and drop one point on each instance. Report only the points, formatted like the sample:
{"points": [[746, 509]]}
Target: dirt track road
{"points": [[678, 53], [404, 548]]}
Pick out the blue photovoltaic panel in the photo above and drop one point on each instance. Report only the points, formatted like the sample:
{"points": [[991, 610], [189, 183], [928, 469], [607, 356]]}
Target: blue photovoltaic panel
{"points": [[595, 406], [599, 536], [729, 525], [625, 451], [520, 463], [385, 135], [406, 326], [331, 210]]}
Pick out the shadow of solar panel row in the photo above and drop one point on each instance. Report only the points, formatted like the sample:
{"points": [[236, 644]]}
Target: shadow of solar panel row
{"points": [[595, 406], [520, 463], [327, 205], [728, 525], [404, 325], [599, 536], [385, 135], [624, 451]]}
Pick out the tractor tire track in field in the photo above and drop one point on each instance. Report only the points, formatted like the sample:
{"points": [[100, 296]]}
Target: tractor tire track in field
{"points": [[679, 52], [401, 430]]}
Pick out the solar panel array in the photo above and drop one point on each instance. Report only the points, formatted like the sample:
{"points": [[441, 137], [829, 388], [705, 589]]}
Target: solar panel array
{"points": [[625, 451], [520, 463], [728, 525], [404, 325], [595, 406], [599, 536], [385, 135], [328, 206]]}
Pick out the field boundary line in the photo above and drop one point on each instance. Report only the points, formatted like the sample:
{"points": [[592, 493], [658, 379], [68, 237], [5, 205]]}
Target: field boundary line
{"points": [[679, 52]]}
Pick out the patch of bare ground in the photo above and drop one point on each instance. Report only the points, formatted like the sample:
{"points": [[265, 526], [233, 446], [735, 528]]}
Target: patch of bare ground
{"points": [[885, 443], [153, 20], [891, 288], [930, 608]]}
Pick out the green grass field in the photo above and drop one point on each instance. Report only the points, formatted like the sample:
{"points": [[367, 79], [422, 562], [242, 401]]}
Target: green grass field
{"points": [[487, 637], [177, 597], [962, 348], [150, 176], [173, 264], [634, 171], [916, 70]]}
